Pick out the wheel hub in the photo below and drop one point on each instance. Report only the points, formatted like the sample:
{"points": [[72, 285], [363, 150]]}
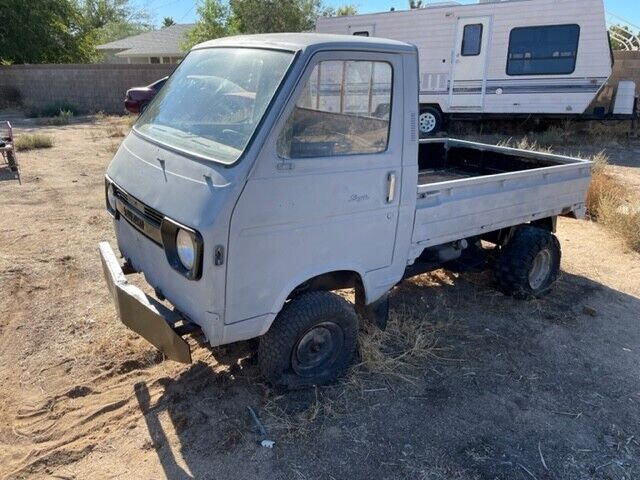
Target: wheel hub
{"points": [[427, 122], [317, 349], [540, 269]]}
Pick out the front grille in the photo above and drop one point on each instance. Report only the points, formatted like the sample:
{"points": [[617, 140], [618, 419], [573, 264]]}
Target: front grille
{"points": [[143, 218]]}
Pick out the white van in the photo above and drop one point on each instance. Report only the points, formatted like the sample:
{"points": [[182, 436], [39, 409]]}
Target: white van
{"points": [[501, 58]]}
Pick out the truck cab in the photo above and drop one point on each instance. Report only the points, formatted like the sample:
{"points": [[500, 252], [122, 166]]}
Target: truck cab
{"points": [[271, 170]]}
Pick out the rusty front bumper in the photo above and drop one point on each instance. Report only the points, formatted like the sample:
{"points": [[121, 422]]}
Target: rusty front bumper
{"points": [[143, 314]]}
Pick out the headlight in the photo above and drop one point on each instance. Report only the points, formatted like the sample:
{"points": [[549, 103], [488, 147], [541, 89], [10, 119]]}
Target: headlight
{"points": [[111, 196], [186, 248]]}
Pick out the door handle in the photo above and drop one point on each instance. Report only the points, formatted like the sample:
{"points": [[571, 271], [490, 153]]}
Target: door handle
{"points": [[391, 186]]}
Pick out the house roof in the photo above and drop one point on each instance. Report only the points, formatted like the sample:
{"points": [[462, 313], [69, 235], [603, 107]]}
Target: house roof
{"points": [[166, 41]]}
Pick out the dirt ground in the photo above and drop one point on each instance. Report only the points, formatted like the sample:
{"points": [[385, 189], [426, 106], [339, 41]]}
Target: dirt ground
{"points": [[468, 384]]}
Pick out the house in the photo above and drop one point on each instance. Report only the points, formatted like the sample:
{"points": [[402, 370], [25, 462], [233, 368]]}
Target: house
{"points": [[156, 46]]}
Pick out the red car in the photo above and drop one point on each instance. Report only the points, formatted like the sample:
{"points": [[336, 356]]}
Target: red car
{"points": [[137, 98]]}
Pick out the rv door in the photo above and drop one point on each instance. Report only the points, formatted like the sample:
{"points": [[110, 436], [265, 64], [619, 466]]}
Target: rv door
{"points": [[468, 71]]}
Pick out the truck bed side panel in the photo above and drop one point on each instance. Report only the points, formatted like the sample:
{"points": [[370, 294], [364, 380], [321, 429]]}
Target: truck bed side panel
{"points": [[464, 208]]}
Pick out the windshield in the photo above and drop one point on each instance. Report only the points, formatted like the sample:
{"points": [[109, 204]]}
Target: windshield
{"points": [[213, 102]]}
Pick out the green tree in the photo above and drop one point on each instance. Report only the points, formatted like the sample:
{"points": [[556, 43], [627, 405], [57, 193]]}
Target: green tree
{"points": [[43, 31], [167, 22], [266, 16], [109, 20], [213, 22], [343, 11]]}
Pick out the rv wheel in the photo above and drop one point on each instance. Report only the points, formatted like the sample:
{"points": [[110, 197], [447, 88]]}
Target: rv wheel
{"points": [[311, 342], [430, 121]]}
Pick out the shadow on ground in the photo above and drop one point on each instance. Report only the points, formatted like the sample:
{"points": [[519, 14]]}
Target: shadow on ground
{"points": [[545, 389]]}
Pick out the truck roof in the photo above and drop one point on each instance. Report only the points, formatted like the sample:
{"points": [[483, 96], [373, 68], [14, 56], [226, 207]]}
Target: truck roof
{"points": [[309, 41]]}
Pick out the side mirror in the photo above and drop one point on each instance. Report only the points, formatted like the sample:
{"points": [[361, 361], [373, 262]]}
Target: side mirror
{"points": [[132, 106]]}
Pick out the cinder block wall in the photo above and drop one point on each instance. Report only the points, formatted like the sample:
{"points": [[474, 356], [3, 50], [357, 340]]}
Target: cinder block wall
{"points": [[626, 66], [89, 88]]}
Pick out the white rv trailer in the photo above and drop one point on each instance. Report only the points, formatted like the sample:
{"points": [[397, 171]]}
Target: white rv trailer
{"points": [[498, 58]]}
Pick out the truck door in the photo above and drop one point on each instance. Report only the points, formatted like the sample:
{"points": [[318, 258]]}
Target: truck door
{"points": [[324, 193], [468, 75]]}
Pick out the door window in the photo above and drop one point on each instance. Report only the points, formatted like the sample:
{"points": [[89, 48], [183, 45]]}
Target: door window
{"points": [[545, 50], [344, 109], [471, 40]]}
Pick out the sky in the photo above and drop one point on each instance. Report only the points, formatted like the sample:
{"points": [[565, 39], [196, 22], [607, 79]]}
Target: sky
{"points": [[184, 11]]}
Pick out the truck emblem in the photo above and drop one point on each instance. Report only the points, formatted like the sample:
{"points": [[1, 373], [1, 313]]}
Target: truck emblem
{"points": [[358, 198]]}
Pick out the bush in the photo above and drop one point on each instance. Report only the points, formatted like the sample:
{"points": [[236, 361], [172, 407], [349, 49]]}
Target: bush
{"points": [[32, 141], [55, 109], [63, 118]]}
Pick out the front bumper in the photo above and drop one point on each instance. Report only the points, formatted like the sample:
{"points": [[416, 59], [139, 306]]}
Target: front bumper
{"points": [[161, 327]]}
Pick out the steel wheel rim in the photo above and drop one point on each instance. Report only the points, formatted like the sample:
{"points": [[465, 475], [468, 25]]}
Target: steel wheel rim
{"points": [[427, 122], [317, 349], [540, 269]]}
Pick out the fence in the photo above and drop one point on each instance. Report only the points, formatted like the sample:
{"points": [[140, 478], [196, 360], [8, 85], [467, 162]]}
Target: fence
{"points": [[626, 67], [89, 88], [101, 87]]}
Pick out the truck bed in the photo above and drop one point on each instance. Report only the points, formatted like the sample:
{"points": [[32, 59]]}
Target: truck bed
{"points": [[467, 189]]}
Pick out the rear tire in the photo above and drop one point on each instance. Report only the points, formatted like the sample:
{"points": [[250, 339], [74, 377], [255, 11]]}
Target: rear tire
{"points": [[311, 342], [528, 265], [430, 121]]}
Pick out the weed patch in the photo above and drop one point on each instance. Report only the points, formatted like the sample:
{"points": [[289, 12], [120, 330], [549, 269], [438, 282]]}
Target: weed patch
{"points": [[31, 141], [608, 203]]}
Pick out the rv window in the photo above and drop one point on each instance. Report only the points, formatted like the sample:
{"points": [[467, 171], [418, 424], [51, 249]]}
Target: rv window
{"points": [[344, 109], [471, 40], [548, 50], [361, 34]]}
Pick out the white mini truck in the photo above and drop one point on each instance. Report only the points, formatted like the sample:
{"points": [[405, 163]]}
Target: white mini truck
{"points": [[272, 170]]}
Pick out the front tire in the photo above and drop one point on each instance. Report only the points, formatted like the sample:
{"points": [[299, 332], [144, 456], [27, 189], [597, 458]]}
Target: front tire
{"points": [[430, 121], [528, 265], [311, 342]]}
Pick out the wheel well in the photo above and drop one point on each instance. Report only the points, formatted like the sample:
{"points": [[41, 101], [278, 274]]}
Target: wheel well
{"points": [[502, 236], [432, 105], [330, 281]]}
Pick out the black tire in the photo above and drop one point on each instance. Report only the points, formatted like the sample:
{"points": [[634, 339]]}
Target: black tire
{"points": [[430, 121], [286, 351], [518, 272]]}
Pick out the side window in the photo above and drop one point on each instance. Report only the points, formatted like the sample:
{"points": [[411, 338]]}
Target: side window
{"points": [[363, 33], [471, 40], [546, 50], [344, 109]]}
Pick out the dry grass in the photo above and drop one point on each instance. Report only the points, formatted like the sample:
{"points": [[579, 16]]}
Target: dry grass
{"points": [[283, 422], [115, 131], [608, 203], [525, 143], [31, 141], [408, 344]]}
